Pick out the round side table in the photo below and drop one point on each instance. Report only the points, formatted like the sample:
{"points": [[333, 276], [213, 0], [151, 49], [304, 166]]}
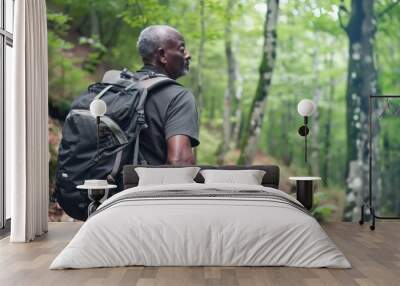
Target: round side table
{"points": [[304, 190], [96, 189]]}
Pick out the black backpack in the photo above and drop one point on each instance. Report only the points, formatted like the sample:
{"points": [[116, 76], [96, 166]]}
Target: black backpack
{"points": [[78, 160]]}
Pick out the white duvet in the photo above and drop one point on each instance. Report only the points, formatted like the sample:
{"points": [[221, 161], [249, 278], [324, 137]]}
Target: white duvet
{"points": [[207, 230]]}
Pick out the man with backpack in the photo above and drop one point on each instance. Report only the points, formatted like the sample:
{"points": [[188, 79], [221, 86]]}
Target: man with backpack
{"points": [[170, 110], [128, 118]]}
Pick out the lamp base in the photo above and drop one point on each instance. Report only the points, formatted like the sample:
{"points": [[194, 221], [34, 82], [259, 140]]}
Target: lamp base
{"points": [[304, 130]]}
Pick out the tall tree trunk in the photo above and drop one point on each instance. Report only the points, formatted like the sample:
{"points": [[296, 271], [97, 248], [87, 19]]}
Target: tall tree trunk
{"points": [[199, 89], [211, 106], [255, 118], [328, 127], [271, 138], [285, 154], [238, 112], [230, 92], [94, 24], [314, 167], [387, 169], [361, 83]]}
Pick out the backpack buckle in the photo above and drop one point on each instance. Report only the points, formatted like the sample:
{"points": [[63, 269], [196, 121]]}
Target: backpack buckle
{"points": [[126, 74]]}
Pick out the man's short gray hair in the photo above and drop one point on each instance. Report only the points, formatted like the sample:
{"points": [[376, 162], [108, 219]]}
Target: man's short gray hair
{"points": [[151, 38]]}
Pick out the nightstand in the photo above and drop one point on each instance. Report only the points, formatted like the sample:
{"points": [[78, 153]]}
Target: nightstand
{"points": [[97, 190], [304, 190]]}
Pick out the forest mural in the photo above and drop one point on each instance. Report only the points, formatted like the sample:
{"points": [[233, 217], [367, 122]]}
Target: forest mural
{"points": [[252, 62]]}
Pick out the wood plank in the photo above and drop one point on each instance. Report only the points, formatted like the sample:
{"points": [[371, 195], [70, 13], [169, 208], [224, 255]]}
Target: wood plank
{"points": [[375, 257]]}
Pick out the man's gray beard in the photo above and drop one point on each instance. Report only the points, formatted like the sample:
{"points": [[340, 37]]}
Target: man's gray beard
{"points": [[184, 72]]}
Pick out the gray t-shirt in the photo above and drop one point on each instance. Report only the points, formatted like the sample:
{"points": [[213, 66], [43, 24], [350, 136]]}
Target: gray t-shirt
{"points": [[170, 110]]}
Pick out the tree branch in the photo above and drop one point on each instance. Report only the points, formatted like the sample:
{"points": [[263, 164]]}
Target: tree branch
{"points": [[388, 8]]}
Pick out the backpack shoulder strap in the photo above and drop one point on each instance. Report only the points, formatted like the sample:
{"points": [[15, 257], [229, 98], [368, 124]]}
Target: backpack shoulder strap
{"points": [[156, 81], [147, 83], [150, 82]]}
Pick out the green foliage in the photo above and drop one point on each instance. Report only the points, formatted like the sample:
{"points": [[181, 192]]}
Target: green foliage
{"points": [[210, 141], [97, 49], [322, 210], [66, 79], [58, 22]]}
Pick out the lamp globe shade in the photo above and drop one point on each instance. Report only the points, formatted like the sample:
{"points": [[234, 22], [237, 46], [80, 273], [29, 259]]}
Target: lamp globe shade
{"points": [[98, 107], [306, 107]]}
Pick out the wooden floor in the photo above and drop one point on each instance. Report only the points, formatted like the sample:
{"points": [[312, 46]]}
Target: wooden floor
{"points": [[375, 257]]}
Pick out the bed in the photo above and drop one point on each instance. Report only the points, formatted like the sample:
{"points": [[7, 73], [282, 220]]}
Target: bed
{"points": [[198, 224]]}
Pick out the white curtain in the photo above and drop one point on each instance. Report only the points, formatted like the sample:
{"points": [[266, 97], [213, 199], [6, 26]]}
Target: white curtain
{"points": [[27, 152]]}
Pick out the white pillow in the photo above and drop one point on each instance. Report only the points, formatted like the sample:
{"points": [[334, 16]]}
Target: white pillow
{"points": [[248, 177], [162, 176]]}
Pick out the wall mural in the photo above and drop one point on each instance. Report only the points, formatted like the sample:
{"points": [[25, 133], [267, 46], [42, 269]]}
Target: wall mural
{"points": [[248, 72]]}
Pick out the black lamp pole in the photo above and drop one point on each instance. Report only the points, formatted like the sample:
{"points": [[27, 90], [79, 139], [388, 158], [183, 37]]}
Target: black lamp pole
{"points": [[98, 108], [98, 135], [305, 138], [303, 131]]}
